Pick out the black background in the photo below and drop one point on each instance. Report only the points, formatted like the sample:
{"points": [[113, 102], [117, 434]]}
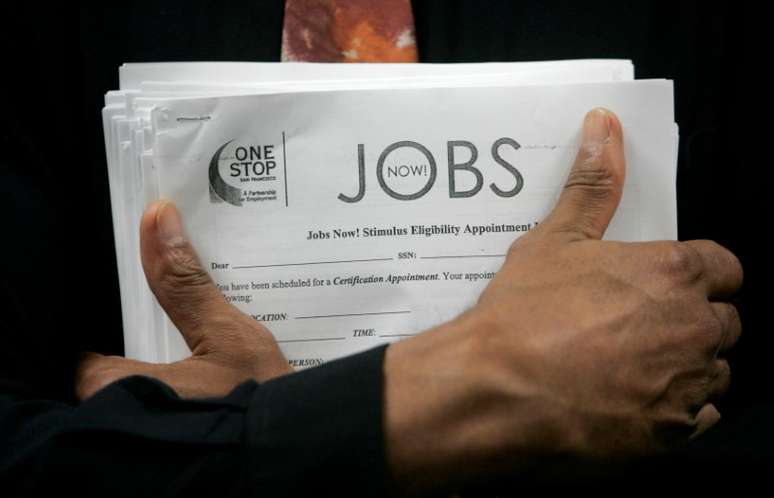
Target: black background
{"points": [[59, 286]]}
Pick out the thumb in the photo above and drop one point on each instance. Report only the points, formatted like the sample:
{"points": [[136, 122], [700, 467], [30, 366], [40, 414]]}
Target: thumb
{"points": [[595, 183], [175, 274]]}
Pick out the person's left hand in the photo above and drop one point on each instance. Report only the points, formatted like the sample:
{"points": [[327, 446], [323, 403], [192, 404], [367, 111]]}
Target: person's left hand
{"points": [[228, 346]]}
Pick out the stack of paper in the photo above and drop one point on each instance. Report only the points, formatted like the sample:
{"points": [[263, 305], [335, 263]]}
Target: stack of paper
{"points": [[347, 205]]}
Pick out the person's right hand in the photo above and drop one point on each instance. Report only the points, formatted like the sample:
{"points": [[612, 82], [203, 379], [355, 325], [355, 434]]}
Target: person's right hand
{"points": [[577, 346]]}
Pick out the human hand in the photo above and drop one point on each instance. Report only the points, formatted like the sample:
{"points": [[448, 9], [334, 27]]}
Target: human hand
{"points": [[228, 347], [578, 346]]}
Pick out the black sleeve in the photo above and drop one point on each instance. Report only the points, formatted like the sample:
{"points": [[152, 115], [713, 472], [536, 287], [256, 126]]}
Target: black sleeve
{"points": [[318, 430]]}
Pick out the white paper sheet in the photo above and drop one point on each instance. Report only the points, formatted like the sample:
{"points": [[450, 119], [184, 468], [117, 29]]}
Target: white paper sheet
{"points": [[318, 106], [331, 277], [132, 75]]}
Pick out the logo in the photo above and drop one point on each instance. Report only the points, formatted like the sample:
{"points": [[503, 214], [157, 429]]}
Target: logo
{"points": [[242, 173], [407, 170]]}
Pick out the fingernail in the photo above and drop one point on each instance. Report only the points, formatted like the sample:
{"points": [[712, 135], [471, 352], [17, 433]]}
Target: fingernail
{"points": [[596, 126], [168, 224]]}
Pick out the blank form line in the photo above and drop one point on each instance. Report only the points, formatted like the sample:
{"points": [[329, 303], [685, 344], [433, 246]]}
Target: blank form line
{"points": [[354, 314], [396, 335], [313, 340], [464, 256], [313, 263]]}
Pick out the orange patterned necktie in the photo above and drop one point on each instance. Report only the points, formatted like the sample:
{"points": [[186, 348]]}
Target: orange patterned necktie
{"points": [[348, 31]]}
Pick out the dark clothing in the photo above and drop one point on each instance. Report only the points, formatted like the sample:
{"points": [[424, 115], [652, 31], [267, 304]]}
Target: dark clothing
{"points": [[318, 429], [58, 283]]}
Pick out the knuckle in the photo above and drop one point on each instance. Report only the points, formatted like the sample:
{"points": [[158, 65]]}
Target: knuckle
{"points": [[723, 372], [514, 246], [729, 315], [595, 182], [680, 260], [720, 378], [93, 379], [709, 328], [522, 245]]}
